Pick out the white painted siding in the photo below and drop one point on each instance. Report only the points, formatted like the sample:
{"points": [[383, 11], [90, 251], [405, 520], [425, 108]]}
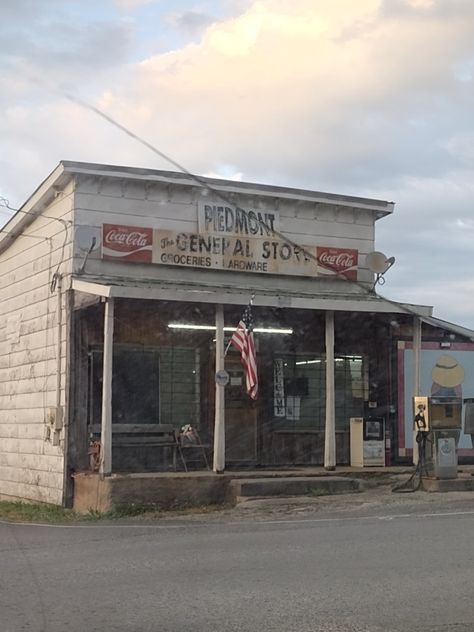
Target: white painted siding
{"points": [[31, 464], [154, 205], [31, 467]]}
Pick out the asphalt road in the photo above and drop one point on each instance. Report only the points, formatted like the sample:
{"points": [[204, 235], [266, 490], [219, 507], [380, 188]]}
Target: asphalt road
{"points": [[361, 572]]}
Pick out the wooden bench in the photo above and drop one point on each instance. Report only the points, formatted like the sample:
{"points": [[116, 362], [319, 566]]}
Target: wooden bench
{"points": [[148, 435]]}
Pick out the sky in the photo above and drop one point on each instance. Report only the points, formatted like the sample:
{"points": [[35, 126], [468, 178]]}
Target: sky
{"points": [[373, 98]]}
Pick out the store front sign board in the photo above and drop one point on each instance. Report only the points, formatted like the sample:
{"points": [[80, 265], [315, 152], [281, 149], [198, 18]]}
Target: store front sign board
{"points": [[222, 252], [233, 221], [226, 251]]}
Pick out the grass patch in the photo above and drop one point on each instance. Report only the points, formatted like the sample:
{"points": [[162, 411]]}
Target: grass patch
{"points": [[17, 511], [155, 513]]}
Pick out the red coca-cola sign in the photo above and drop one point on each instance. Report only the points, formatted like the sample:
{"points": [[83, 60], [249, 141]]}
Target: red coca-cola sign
{"points": [[340, 262], [126, 243]]}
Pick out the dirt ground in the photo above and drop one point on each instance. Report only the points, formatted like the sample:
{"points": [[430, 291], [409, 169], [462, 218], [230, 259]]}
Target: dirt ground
{"points": [[375, 501]]}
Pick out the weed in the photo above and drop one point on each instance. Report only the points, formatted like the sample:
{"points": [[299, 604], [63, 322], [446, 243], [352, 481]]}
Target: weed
{"points": [[17, 511]]}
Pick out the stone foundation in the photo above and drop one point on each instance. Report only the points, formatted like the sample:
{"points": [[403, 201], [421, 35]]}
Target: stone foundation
{"points": [[125, 491]]}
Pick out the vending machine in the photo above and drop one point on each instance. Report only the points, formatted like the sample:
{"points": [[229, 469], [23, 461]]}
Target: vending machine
{"points": [[367, 441]]}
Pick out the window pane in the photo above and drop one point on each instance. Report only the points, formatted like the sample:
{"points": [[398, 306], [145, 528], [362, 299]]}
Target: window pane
{"points": [[149, 386]]}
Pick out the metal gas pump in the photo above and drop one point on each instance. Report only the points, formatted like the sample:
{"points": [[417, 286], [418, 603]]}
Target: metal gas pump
{"points": [[438, 422]]}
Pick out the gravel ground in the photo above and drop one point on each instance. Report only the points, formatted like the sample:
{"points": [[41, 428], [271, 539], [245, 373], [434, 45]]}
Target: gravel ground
{"points": [[378, 499]]}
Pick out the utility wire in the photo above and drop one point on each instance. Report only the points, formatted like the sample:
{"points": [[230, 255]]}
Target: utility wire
{"points": [[205, 184], [6, 204]]}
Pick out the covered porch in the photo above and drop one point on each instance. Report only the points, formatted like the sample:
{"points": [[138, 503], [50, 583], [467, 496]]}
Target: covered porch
{"points": [[146, 356]]}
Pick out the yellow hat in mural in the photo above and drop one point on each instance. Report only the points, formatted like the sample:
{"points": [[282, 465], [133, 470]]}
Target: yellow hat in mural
{"points": [[447, 372]]}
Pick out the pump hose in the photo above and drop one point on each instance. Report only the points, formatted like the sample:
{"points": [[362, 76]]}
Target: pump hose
{"points": [[409, 486]]}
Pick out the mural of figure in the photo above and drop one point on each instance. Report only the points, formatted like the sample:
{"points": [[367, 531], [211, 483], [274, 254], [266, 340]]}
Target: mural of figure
{"points": [[448, 376]]}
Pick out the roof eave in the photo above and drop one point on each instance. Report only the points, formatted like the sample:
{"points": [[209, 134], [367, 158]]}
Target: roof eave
{"points": [[381, 208], [33, 206]]}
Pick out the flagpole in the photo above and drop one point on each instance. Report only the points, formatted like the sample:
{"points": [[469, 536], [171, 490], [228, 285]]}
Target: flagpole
{"points": [[230, 341]]}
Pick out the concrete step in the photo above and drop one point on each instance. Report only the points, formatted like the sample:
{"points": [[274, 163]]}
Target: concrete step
{"points": [[294, 486], [449, 485]]}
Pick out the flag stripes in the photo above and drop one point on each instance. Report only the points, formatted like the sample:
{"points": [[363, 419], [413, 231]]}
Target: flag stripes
{"points": [[243, 341]]}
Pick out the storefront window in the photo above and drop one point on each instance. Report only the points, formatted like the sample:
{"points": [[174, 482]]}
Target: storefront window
{"points": [[300, 391], [351, 383], [149, 385]]}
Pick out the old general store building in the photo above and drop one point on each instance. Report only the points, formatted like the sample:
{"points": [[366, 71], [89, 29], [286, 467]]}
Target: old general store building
{"points": [[120, 288]]}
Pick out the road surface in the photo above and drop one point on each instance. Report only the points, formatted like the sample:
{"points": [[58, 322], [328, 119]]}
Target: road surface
{"points": [[405, 567]]}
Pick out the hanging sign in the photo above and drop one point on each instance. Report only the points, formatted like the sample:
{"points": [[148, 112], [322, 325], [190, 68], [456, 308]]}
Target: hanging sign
{"points": [[222, 377], [278, 388]]}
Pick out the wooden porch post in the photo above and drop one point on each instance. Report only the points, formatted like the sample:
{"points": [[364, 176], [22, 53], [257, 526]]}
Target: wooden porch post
{"points": [[106, 428], [219, 424], [330, 430]]}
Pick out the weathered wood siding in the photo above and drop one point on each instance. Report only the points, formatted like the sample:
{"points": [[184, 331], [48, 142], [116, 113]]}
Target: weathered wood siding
{"points": [[156, 205], [31, 466]]}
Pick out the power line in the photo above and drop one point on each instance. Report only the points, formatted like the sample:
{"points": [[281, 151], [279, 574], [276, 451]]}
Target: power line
{"points": [[65, 223], [206, 185], [6, 204], [200, 181]]}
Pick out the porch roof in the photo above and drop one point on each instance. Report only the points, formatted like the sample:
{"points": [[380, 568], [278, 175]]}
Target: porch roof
{"points": [[159, 290], [451, 327]]}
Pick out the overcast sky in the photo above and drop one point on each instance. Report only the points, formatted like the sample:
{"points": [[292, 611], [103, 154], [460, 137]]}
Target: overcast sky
{"points": [[364, 97]]}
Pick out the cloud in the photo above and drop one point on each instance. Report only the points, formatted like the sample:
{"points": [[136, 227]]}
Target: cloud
{"points": [[130, 5], [225, 173], [271, 90], [461, 147], [431, 234], [295, 78], [191, 22], [60, 43], [372, 97]]}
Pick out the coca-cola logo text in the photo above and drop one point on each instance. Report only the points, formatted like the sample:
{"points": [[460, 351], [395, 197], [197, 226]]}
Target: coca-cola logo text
{"points": [[342, 260], [128, 239], [129, 243], [339, 261]]}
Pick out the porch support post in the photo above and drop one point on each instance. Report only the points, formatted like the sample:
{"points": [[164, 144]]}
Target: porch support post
{"points": [[330, 431], [219, 424], [416, 373], [106, 428]]}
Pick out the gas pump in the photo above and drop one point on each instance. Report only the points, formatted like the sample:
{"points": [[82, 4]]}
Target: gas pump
{"points": [[438, 422]]}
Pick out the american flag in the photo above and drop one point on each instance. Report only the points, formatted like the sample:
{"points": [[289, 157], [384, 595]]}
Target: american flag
{"points": [[243, 341]]}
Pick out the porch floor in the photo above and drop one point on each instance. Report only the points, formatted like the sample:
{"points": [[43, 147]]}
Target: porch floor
{"points": [[201, 487]]}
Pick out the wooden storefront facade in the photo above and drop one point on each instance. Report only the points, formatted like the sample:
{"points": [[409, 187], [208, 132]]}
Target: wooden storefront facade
{"points": [[114, 284], [166, 375]]}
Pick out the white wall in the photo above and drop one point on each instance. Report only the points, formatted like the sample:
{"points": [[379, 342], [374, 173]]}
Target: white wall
{"points": [[154, 205], [31, 466]]}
